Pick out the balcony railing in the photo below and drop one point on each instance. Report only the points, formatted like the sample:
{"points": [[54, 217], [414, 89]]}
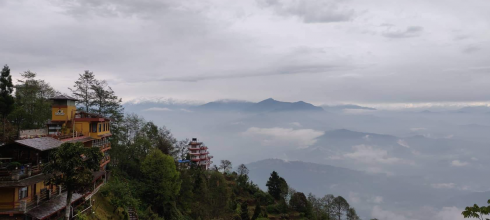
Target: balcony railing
{"points": [[19, 174]]}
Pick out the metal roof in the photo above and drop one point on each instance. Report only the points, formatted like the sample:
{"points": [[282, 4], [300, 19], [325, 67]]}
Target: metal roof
{"points": [[51, 206], [63, 97], [42, 143]]}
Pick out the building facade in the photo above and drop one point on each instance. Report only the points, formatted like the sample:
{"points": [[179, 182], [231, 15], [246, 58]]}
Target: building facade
{"points": [[199, 154], [23, 192]]}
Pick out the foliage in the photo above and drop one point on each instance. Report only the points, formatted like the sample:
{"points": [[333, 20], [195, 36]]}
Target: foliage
{"points": [[226, 166], [32, 108], [82, 90], [352, 214], [72, 165], [476, 211], [161, 183], [242, 170], [277, 186], [340, 206], [6, 98], [299, 202], [119, 193], [244, 211]]}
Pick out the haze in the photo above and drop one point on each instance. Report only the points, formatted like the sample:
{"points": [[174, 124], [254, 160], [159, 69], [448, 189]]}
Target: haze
{"points": [[413, 144]]}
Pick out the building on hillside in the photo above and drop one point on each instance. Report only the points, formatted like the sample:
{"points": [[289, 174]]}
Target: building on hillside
{"points": [[23, 192], [199, 154]]}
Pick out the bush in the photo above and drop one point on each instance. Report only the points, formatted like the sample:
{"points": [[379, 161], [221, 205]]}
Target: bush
{"points": [[272, 209]]}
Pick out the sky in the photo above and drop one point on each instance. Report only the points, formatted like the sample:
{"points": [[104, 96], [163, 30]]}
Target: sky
{"points": [[320, 51]]}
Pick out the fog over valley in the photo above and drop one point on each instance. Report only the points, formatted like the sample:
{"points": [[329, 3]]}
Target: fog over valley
{"points": [[412, 162]]}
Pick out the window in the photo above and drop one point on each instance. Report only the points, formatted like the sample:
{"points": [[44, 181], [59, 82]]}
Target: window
{"points": [[23, 192], [100, 127]]}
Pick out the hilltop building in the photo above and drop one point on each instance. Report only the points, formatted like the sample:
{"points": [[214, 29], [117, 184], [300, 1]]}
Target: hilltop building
{"points": [[23, 192], [199, 154]]}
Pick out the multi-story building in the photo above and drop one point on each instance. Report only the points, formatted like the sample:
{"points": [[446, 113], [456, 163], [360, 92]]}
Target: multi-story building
{"points": [[23, 192], [199, 154]]}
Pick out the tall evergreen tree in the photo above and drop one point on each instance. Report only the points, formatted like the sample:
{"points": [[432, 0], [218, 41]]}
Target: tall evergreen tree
{"points": [[6, 98], [82, 90], [276, 186]]}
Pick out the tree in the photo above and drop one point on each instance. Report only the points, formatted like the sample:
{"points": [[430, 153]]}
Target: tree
{"points": [[161, 183], [299, 202], [120, 194], [277, 186], [477, 212], [352, 214], [32, 104], [6, 98], [219, 194], [105, 102], [257, 211], [328, 205], [244, 211], [72, 165], [340, 206], [242, 170], [225, 165], [82, 90]]}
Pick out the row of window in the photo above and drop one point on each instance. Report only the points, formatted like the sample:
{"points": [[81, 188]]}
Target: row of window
{"points": [[100, 127]]}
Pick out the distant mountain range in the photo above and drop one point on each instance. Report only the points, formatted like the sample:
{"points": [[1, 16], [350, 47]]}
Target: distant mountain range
{"points": [[268, 105]]}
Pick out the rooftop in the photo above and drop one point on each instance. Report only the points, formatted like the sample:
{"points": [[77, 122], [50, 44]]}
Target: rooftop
{"points": [[42, 143], [63, 97]]}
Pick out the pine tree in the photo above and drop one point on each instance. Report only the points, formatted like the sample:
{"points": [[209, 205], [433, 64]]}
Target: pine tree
{"points": [[6, 98], [82, 90], [276, 186]]}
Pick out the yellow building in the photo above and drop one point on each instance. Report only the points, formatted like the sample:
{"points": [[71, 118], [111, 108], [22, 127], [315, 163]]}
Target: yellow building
{"points": [[23, 193]]}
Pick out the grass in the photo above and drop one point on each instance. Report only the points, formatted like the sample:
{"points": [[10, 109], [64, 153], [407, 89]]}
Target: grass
{"points": [[103, 210]]}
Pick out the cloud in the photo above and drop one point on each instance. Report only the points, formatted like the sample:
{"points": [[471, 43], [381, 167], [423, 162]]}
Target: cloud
{"points": [[449, 213], [412, 31], [443, 185], [312, 11], [457, 163], [425, 213], [354, 197], [297, 124], [371, 155], [403, 143], [471, 49], [185, 110], [283, 70], [157, 109], [418, 129], [378, 199], [284, 136], [381, 214], [474, 159]]}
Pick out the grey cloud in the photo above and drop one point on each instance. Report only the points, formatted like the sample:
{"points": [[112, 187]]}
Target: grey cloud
{"points": [[314, 11], [104, 8], [287, 70], [412, 31], [471, 49]]}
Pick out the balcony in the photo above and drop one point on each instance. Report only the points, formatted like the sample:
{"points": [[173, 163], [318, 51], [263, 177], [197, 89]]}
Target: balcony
{"points": [[105, 160], [19, 173]]}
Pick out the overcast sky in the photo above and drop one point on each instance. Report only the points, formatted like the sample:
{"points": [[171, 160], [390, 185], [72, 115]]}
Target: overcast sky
{"points": [[320, 51]]}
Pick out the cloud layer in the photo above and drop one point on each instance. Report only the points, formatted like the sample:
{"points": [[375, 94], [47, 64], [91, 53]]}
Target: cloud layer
{"points": [[334, 50]]}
